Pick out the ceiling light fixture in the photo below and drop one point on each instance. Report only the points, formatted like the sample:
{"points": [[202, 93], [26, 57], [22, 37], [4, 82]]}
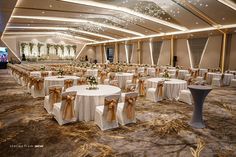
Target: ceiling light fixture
{"points": [[77, 21], [167, 34], [128, 11], [62, 29], [228, 3]]}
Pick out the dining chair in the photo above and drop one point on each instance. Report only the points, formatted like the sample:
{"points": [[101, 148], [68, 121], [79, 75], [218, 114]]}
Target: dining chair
{"points": [[126, 109], [156, 94], [53, 97], [105, 115], [68, 83], [64, 111], [37, 89]]}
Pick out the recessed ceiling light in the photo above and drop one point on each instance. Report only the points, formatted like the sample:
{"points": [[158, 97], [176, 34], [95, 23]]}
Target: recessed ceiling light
{"points": [[196, 23], [43, 12], [50, 6], [223, 18]]}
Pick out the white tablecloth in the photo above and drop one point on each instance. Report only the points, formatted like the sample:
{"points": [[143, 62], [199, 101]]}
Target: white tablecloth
{"points": [[87, 100], [171, 71], [182, 74], [211, 75], [141, 69], [92, 72], [172, 87], [122, 77], [38, 73], [150, 71], [55, 80], [227, 79], [202, 72]]}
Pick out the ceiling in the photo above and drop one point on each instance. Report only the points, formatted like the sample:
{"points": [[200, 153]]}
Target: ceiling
{"points": [[100, 21]]}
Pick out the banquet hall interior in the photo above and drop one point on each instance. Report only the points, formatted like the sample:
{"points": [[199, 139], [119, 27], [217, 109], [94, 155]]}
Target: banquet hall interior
{"points": [[125, 78]]}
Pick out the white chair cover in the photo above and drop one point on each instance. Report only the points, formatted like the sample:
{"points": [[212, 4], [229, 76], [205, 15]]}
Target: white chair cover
{"points": [[61, 109], [105, 116], [126, 109]]}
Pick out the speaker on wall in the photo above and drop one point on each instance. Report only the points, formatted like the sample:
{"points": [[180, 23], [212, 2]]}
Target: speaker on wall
{"points": [[175, 60]]}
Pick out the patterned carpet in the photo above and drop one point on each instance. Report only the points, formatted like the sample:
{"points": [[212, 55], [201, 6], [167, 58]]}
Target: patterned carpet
{"points": [[161, 130]]}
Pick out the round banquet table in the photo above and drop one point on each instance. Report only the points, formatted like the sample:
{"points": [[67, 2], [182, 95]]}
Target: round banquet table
{"points": [[172, 87], [38, 73], [171, 71], [87, 100], [92, 72], [150, 71], [182, 74], [122, 77], [141, 69], [202, 72], [199, 94], [55, 80], [212, 75], [227, 79]]}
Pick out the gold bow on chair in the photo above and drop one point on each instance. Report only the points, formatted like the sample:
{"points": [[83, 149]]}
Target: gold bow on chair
{"points": [[130, 101], [141, 87], [56, 93], [160, 89], [222, 77], [81, 81], [44, 74], [111, 106], [68, 83], [103, 76], [112, 76], [190, 81], [205, 76], [177, 73], [134, 79], [38, 84], [68, 112]]}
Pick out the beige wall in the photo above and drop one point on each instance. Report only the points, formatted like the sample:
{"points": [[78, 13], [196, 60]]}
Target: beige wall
{"points": [[122, 55], [134, 58], [211, 57], [181, 51], [164, 57], [232, 57], [146, 56]]}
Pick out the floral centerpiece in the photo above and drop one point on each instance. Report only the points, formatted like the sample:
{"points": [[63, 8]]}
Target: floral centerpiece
{"points": [[60, 72], [93, 66], [166, 75], [119, 69], [42, 68], [92, 82]]}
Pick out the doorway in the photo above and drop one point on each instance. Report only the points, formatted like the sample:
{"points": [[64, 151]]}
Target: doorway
{"points": [[110, 54]]}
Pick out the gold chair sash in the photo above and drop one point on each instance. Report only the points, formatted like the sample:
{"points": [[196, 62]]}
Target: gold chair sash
{"points": [[134, 79], [111, 106], [56, 93], [129, 110], [222, 77], [68, 83], [103, 76], [44, 74], [160, 89], [38, 84], [68, 112], [205, 76], [81, 81], [189, 81], [177, 73], [141, 87]]}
